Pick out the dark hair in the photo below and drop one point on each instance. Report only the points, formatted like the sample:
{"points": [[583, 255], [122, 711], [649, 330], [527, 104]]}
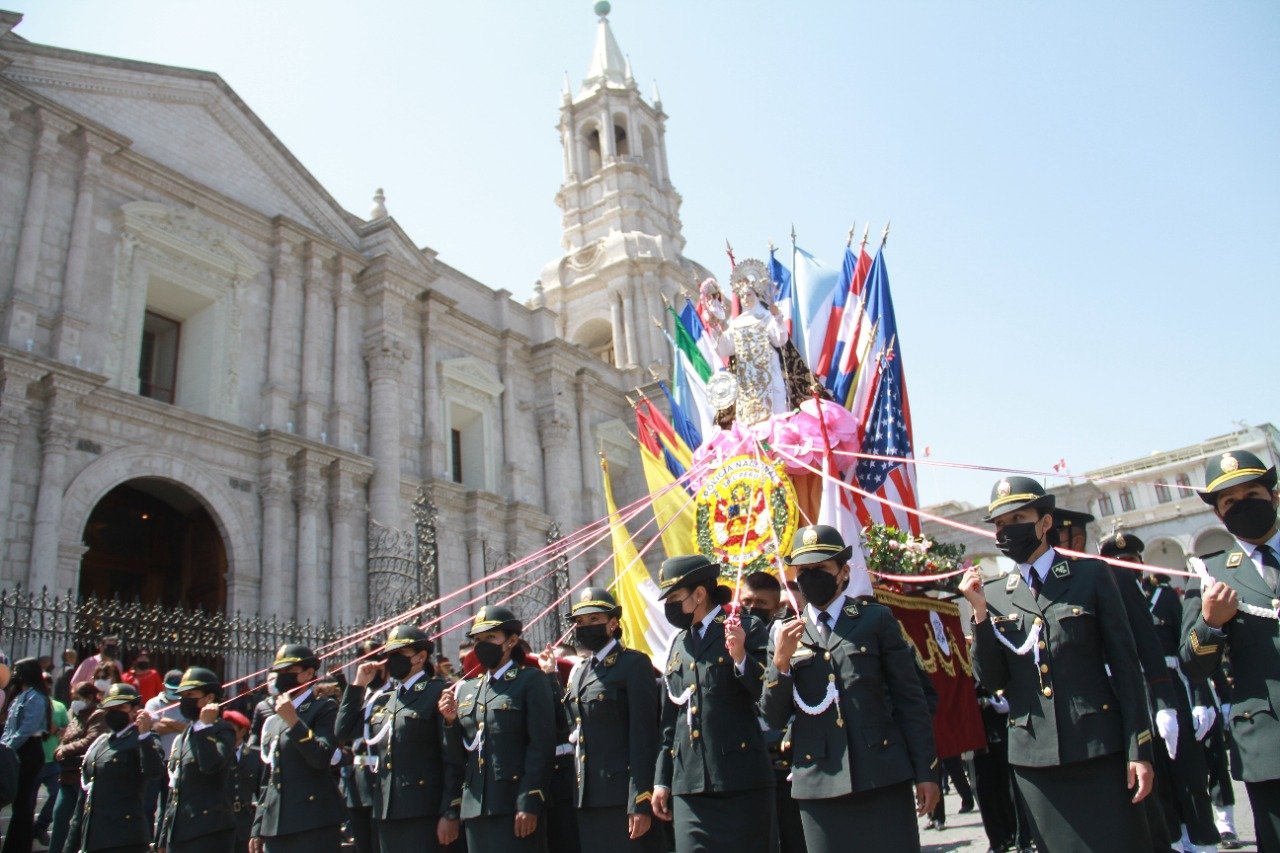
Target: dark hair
{"points": [[28, 669], [762, 581], [716, 594]]}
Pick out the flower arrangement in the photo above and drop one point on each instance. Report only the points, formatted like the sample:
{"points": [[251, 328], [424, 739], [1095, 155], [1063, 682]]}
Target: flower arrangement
{"points": [[896, 552]]}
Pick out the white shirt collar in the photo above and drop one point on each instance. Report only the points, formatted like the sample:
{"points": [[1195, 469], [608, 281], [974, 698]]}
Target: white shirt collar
{"points": [[600, 655], [298, 700], [502, 669], [411, 680], [833, 609], [1252, 550], [1041, 566], [708, 619]]}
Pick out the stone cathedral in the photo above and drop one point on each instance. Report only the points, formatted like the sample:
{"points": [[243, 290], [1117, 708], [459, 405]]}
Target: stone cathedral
{"points": [[220, 389]]}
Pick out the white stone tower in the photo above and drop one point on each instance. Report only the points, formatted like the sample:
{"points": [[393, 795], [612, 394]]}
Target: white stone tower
{"points": [[622, 242]]}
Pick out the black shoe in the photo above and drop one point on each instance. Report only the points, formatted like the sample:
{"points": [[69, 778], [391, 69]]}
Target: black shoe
{"points": [[1229, 841], [940, 825], [932, 824], [43, 837], [966, 806]]}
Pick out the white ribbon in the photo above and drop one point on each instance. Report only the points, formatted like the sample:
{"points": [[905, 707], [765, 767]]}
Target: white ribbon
{"points": [[380, 736], [814, 710], [682, 700], [1197, 565], [1031, 644]]}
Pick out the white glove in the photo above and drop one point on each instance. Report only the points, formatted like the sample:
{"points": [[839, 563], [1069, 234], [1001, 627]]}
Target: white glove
{"points": [[1167, 726], [1000, 704], [1204, 718]]}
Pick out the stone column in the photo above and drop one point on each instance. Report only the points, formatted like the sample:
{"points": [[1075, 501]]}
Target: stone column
{"points": [[57, 426], [628, 326], [315, 330], [513, 471], [276, 396], [342, 416], [15, 378], [274, 494], [350, 586], [615, 319], [607, 146], [311, 579], [385, 356], [21, 311], [71, 322], [432, 442], [589, 477], [559, 484], [640, 324]]}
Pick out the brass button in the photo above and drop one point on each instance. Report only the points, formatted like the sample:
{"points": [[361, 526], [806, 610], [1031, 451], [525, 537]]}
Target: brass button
{"points": [[831, 676], [694, 734], [1042, 644], [744, 744], [886, 742], [691, 666], [720, 660], [808, 757], [1075, 611], [311, 796], [862, 648], [1038, 621], [1048, 691], [693, 709], [1106, 707], [1044, 667], [826, 655]]}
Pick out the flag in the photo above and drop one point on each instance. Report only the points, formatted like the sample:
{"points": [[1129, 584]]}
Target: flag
{"points": [[854, 336], [688, 430], [783, 292], [655, 431], [884, 416], [644, 627], [843, 296], [691, 320], [815, 288], [689, 393], [836, 510], [685, 343], [672, 508]]}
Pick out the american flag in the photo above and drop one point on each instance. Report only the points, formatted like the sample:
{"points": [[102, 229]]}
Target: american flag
{"points": [[885, 417]]}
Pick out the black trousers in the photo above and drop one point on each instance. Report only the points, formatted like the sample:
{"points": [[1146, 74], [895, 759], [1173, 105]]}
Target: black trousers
{"points": [[995, 795], [952, 768], [360, 825], [1083, 807], [22, 823], [1221, 791], [1264, 798]]}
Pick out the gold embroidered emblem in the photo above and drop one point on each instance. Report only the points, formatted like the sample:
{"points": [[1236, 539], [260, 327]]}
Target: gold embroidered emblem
{"points": [[810, 537], [510, 676], [1229, 463], [1012, 583], [1235, 560], [850, 610], [610, 660], [1120, 541], [1003, 489], [586, 595]]}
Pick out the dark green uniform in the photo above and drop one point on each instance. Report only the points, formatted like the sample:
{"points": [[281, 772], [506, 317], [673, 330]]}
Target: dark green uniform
{"points": [[360, 780], [854, 761], [115, 771], [505, 737], [243, 784], [613, 704], [198, 816]]}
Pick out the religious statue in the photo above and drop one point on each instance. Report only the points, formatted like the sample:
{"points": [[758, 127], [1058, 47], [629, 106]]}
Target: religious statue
{"points": [[754, 338]]}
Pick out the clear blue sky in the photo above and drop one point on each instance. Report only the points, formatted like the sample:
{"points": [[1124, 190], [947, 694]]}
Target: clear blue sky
{"points": [[1085, 196]]}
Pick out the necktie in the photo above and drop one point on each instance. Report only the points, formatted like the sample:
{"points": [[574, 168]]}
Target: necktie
{"points": [[1035, 583], [1270, 566], [824, 626], [697, 632]]}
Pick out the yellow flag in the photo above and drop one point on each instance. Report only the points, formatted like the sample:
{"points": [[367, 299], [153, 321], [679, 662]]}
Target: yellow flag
{"points": [[643, 627], [672, 506]]}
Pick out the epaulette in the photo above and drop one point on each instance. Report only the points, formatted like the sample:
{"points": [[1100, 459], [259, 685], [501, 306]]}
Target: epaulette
{"points": [[1211, 554]]}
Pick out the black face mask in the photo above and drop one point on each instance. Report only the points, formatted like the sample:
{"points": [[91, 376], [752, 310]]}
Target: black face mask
{"points": [[286, 681], [398, 667], [1250, 518], [592, 637], [818, 586], [675, 614], [764, 614], [489, 654], [116, 719], [189, 708], [1018, 541]]}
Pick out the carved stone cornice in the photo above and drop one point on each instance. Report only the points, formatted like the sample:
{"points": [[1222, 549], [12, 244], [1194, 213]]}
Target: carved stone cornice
{"points": [[554, 425], [385, 356]]}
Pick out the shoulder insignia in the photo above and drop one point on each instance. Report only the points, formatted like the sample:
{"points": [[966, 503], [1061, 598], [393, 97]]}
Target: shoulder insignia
{"points": [[719, 617], [1235, 559], [1012, 583], [1144, 736], [851, 610], [644, 797], [1062, 570], [302, 709], [421, 685], [1199, 648], [511, 675], [611, 659]]}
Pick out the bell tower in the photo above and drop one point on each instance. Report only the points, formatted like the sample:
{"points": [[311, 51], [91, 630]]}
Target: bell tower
{"points": [[622, 241]]}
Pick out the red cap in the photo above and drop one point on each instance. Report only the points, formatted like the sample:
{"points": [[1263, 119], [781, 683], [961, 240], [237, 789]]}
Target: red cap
{"points": [[236, 718]]}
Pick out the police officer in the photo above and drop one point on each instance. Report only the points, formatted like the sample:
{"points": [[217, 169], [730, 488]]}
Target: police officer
{"points": [[197, 816], [1235, 610], [114, 775], [299, 808], [358, 782], [244, 780], [413, 807], [862, 732], [1185, 790], [612, 700], [713, 774], [1079, 743], [500, 724]]}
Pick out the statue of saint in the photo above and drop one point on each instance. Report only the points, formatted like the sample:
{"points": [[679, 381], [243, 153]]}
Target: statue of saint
{"points": [[754, 339]]}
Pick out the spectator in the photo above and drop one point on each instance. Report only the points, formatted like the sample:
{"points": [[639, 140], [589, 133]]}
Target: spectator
{"points": [[106, 674], [169, 723], [143, 677], [86, 724], [62, 684], [4, 679], [30, 717], [50, 773], [108, 650]]}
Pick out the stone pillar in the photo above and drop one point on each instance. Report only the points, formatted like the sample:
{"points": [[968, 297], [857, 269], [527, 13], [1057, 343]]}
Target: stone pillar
{"points": [[57, 427], [15, 378], [276, 396], [315, 332], [21, 311], [385, 356], [589, 478], [312, 582], [607, 146], [350, 586], [629, 326], [640, 324], [559, 485], [513, 472], [342, 432], [71, 322], [274, 494], [615, 319], [432, 443]]}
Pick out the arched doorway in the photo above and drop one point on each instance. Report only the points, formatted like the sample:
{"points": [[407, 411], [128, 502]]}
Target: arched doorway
{"points": [[153, 541]]}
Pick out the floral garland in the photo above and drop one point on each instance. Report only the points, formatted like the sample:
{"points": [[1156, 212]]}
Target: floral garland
{"points": [[896, 552]]}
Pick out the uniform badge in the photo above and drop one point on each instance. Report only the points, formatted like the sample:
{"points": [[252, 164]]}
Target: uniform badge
{"points": [[510, 676], [611, 659], [421, 685], [1229, 463], [674, 663], [1062, 570], [1012, 583], [810, 537], [1003, 489], [302, 709], [1235, 559], [851, 610], [586, 595], [719, 617], [1120, 541]]}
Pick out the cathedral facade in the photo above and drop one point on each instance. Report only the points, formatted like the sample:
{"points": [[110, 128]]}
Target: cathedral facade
{"points": [[219, 388]]}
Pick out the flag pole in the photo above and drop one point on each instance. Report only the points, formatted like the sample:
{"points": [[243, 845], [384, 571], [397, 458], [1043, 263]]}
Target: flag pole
{"points": [[853, 229], [884, 235]]}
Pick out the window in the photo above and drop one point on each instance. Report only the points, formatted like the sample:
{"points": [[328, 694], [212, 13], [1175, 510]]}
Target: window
{"points": [[593, 151], [1162, 492], [158, 365], [1105, 506], [1126, 500], [620, 141], [455, 454], [467, 445], [1184, 480]]}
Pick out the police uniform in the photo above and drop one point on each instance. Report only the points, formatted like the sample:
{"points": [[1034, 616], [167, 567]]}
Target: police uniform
{"points": [[359, 783], [505, 737], [299, 809], [1071, 729], [115, 772], [1251, 638], [612, 700], [712, 755], [862, 733], [198, 816], [1183, 785], [416, 786], [243, 784]]}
